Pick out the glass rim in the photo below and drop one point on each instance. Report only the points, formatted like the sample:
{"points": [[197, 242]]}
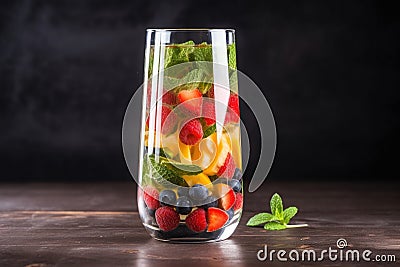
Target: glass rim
{"points": [[189, 30]]}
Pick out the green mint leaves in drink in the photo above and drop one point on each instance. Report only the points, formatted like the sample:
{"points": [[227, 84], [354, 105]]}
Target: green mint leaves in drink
{"points": [[199, 75], [189, 52]]}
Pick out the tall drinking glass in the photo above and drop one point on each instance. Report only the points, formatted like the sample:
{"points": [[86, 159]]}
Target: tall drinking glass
{"points": [[190, 176]]}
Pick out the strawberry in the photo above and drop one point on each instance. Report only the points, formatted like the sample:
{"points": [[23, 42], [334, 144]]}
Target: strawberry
{"points": [[228, 169], [150, 197], [216, 219], [191, 100], [227, 199], [233, 112], [169, 98], [239, 202], [196, 221], [208, 112], [166, 128], [233, 103], [191, 133], [167, 218]]}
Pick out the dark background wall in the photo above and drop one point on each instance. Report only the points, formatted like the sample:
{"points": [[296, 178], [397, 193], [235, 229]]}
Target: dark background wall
{"points": [[330, 70]]}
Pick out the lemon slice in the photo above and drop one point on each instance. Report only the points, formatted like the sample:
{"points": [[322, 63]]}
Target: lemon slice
{"points": [[200, 178], [184, 153], [168, 143], [224, 147], [204, 152], [234, 133]]}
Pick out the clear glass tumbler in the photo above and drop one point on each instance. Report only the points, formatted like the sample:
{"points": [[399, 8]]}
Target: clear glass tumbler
{"points": [[190, 169]]}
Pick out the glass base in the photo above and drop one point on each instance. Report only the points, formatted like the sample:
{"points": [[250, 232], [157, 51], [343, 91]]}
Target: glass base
{"points": [[183, 235]]}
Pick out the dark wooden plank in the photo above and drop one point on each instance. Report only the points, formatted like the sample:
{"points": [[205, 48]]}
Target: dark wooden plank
{"points": [[72, 225], [60, 196]]}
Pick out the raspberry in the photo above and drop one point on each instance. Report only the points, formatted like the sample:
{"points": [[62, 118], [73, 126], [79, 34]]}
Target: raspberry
{"points": [[167, 218], [150, 197], [228, 169], [169, 98], [239, 202], [208, 112], [167, 126], [191, 133], [196, 221]]}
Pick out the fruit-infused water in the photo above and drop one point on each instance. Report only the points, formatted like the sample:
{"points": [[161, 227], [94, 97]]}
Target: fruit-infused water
{"points": [[190, 172]]}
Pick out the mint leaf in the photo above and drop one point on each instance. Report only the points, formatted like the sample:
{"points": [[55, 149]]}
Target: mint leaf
{"points": [[232, 56], [233, 81], [171, 82], [161, 174], [146, 172], [178, 53], [202, 52], [277, 206], [178, 168], [288, 214], [161, 152], [151, 62], [274, 226], [260, 218], [209, 131], [199, 75], [185, 169], [196, 78], [279, 218]]}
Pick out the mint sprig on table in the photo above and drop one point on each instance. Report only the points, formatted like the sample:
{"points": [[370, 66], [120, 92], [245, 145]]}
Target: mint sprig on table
{"points": [[278, 219]]}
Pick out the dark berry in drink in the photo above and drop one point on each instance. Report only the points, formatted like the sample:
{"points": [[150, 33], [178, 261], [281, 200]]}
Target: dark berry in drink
{"points": [[198, 192], [167, 197], [183, 205]]}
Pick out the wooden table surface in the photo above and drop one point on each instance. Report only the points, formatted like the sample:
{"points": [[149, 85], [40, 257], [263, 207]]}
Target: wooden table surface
{"points": [[44, 224]]}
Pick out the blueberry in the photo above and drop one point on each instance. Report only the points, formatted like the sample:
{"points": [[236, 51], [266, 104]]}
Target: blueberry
{"points": [[236, 185], [198, 193], [210, 202], [184, 205], [183, 191], [237, 175], [167, 197], [230, 213]]}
